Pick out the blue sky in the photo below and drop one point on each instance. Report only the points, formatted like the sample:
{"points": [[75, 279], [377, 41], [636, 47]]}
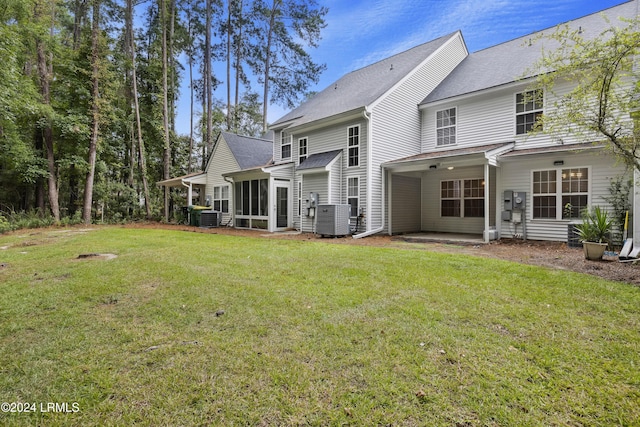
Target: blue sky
{"points": [[361, 32]]}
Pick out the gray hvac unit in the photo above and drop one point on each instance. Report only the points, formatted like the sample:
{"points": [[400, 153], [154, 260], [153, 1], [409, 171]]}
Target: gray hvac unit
{"points": [[210, 219], [333, 220]]}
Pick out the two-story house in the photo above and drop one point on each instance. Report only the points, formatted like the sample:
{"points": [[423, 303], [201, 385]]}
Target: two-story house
{"points": [[334, 144], [477, 148], [431, 139]]}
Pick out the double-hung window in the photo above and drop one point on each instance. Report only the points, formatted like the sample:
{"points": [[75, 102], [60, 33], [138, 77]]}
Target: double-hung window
{"points": [[221, 198], [529, 108], [353, 195], [560, 193], [302, 149], [354, 146], [474, 198], [285, 146], [462, 198], [446, 127]]}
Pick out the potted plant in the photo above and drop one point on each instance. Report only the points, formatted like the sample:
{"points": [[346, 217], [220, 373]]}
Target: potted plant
{"points": [[594, 232]]}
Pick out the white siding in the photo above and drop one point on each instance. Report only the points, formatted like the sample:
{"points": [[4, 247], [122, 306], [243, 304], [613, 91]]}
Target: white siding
{"points": [[285, 173], [396, 119], [336, 192], [431, 218], [321, 141], [517, 176], [335, 138], [487, 118], [221, 162], [314, 183]]}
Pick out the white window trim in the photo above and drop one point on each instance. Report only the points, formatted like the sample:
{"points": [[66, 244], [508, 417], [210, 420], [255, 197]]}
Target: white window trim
{"points": [[284, 141], [303, 157], [357, 196], [349, 147], [516, 114], [461, 198], [220, 199], [559, 193], [455, 126]]}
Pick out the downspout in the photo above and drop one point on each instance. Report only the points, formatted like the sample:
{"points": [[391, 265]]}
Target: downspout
{"points": [[367, 115], [379, 229], [232, 195]]}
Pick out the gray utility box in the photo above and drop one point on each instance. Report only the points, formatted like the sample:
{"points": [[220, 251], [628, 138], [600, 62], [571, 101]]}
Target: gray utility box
{"points": [[210, 219], [333, 220]]}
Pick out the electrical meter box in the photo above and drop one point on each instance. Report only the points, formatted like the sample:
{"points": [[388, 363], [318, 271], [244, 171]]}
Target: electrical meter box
{"points": [[312, 201], [508, 201], [519, 199]]}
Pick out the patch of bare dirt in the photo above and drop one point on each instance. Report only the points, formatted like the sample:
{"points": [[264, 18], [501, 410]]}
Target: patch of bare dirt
{"points": [[546, 254], [96, 256]]}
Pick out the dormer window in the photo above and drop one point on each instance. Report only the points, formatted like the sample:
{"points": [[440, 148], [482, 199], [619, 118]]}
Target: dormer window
{"points": [[285, 147], [446, 127], [529, 108]]}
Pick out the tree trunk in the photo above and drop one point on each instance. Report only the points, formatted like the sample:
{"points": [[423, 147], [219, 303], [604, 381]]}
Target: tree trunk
{"points": [[134, 83], [191, 92], [238, 69], [229, 55], [47, 132], [204, 140], [78, 18], [267, 63], [165, 109], [172, 69], [95, 112], [208, 82]]}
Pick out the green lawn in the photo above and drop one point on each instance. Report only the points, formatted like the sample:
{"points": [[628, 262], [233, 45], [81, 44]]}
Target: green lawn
{"points": [[312, 334]]}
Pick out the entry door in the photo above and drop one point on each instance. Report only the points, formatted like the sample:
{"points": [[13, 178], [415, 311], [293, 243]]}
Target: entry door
{"points": [[282, 206]]}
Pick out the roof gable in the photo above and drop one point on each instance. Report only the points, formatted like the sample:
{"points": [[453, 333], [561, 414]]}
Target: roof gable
{"points": [[362, 87], [513, 60], [249, 152]]}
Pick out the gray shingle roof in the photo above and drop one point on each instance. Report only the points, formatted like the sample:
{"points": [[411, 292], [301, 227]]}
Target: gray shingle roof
{"points": [[319, 160], [249, 152], [513, 60], [360, 88]]}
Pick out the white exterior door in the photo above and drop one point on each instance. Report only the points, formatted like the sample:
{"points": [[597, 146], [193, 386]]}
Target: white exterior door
{"points": [[281, 219]]}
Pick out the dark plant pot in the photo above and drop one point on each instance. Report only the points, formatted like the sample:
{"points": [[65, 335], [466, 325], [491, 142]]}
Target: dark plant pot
{"points": [[593, 251]]}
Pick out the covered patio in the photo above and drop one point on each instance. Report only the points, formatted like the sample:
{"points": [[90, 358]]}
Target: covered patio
{"points": [[446, 194], [437, 237], [195, 184]]}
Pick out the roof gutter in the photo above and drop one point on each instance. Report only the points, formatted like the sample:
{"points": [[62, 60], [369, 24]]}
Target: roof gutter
{"points": [[367, 115]]}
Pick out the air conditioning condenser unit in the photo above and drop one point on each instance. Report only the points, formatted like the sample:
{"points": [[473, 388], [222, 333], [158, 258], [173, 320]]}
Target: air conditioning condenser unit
{"points": [[333, 220]]}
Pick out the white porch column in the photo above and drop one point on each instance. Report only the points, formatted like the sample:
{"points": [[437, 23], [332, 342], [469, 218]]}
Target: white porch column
{"points": [[487, 203], [189, 193]]}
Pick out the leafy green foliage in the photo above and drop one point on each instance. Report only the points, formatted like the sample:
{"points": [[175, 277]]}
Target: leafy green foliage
{"points": [[596, 225], [620, 200], [46, 96], [4, 225], [598, 107]]}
